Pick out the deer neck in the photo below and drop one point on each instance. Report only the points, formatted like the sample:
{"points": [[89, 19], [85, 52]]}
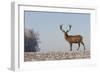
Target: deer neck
{"points": [[66, 35]]}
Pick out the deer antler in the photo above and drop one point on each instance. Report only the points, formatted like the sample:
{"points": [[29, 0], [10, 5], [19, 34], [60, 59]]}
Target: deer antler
{"points": [[69, 28], [61, 28]]}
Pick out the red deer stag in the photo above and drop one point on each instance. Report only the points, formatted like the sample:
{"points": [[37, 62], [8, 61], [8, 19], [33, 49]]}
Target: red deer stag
{"points": [[72, 38]]}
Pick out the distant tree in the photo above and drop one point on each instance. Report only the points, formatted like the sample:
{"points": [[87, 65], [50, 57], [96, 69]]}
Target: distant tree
{"points": [[31, 43]]}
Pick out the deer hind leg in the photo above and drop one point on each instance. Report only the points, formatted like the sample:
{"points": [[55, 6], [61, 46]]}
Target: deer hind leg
{"points": [[83, 45], [78, 46], [70, 46]]}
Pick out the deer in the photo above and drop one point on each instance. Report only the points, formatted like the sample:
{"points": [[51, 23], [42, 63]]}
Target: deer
{"points": [[77, 39]]}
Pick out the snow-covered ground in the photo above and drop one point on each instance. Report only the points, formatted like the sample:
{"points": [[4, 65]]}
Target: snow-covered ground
{"points": [[38, 56]]}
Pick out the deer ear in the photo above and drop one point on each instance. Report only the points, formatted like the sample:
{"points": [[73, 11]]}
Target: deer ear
{"points": [[67, 31]]}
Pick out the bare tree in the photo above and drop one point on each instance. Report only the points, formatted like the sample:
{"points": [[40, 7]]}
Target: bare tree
{"points": [[31, 41]]}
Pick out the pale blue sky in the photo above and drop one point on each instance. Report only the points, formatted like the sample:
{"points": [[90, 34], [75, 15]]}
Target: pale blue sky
{"points": [[47, 24]]}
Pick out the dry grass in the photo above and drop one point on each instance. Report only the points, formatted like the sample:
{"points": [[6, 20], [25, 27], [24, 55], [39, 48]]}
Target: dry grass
{"points": [[38, 56]]}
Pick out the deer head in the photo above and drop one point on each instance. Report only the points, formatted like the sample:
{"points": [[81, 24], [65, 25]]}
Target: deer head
{"points": [[65, 32]]}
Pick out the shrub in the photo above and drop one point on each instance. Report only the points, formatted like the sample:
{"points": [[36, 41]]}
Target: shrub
{"points": [[31, 43]]}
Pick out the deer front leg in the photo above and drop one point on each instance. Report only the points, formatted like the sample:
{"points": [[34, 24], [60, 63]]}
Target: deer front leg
{"points": [[70, 46]]}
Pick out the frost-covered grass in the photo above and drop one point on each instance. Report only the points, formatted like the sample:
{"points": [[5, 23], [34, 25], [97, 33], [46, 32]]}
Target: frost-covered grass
{"points": [[40, 56]]}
